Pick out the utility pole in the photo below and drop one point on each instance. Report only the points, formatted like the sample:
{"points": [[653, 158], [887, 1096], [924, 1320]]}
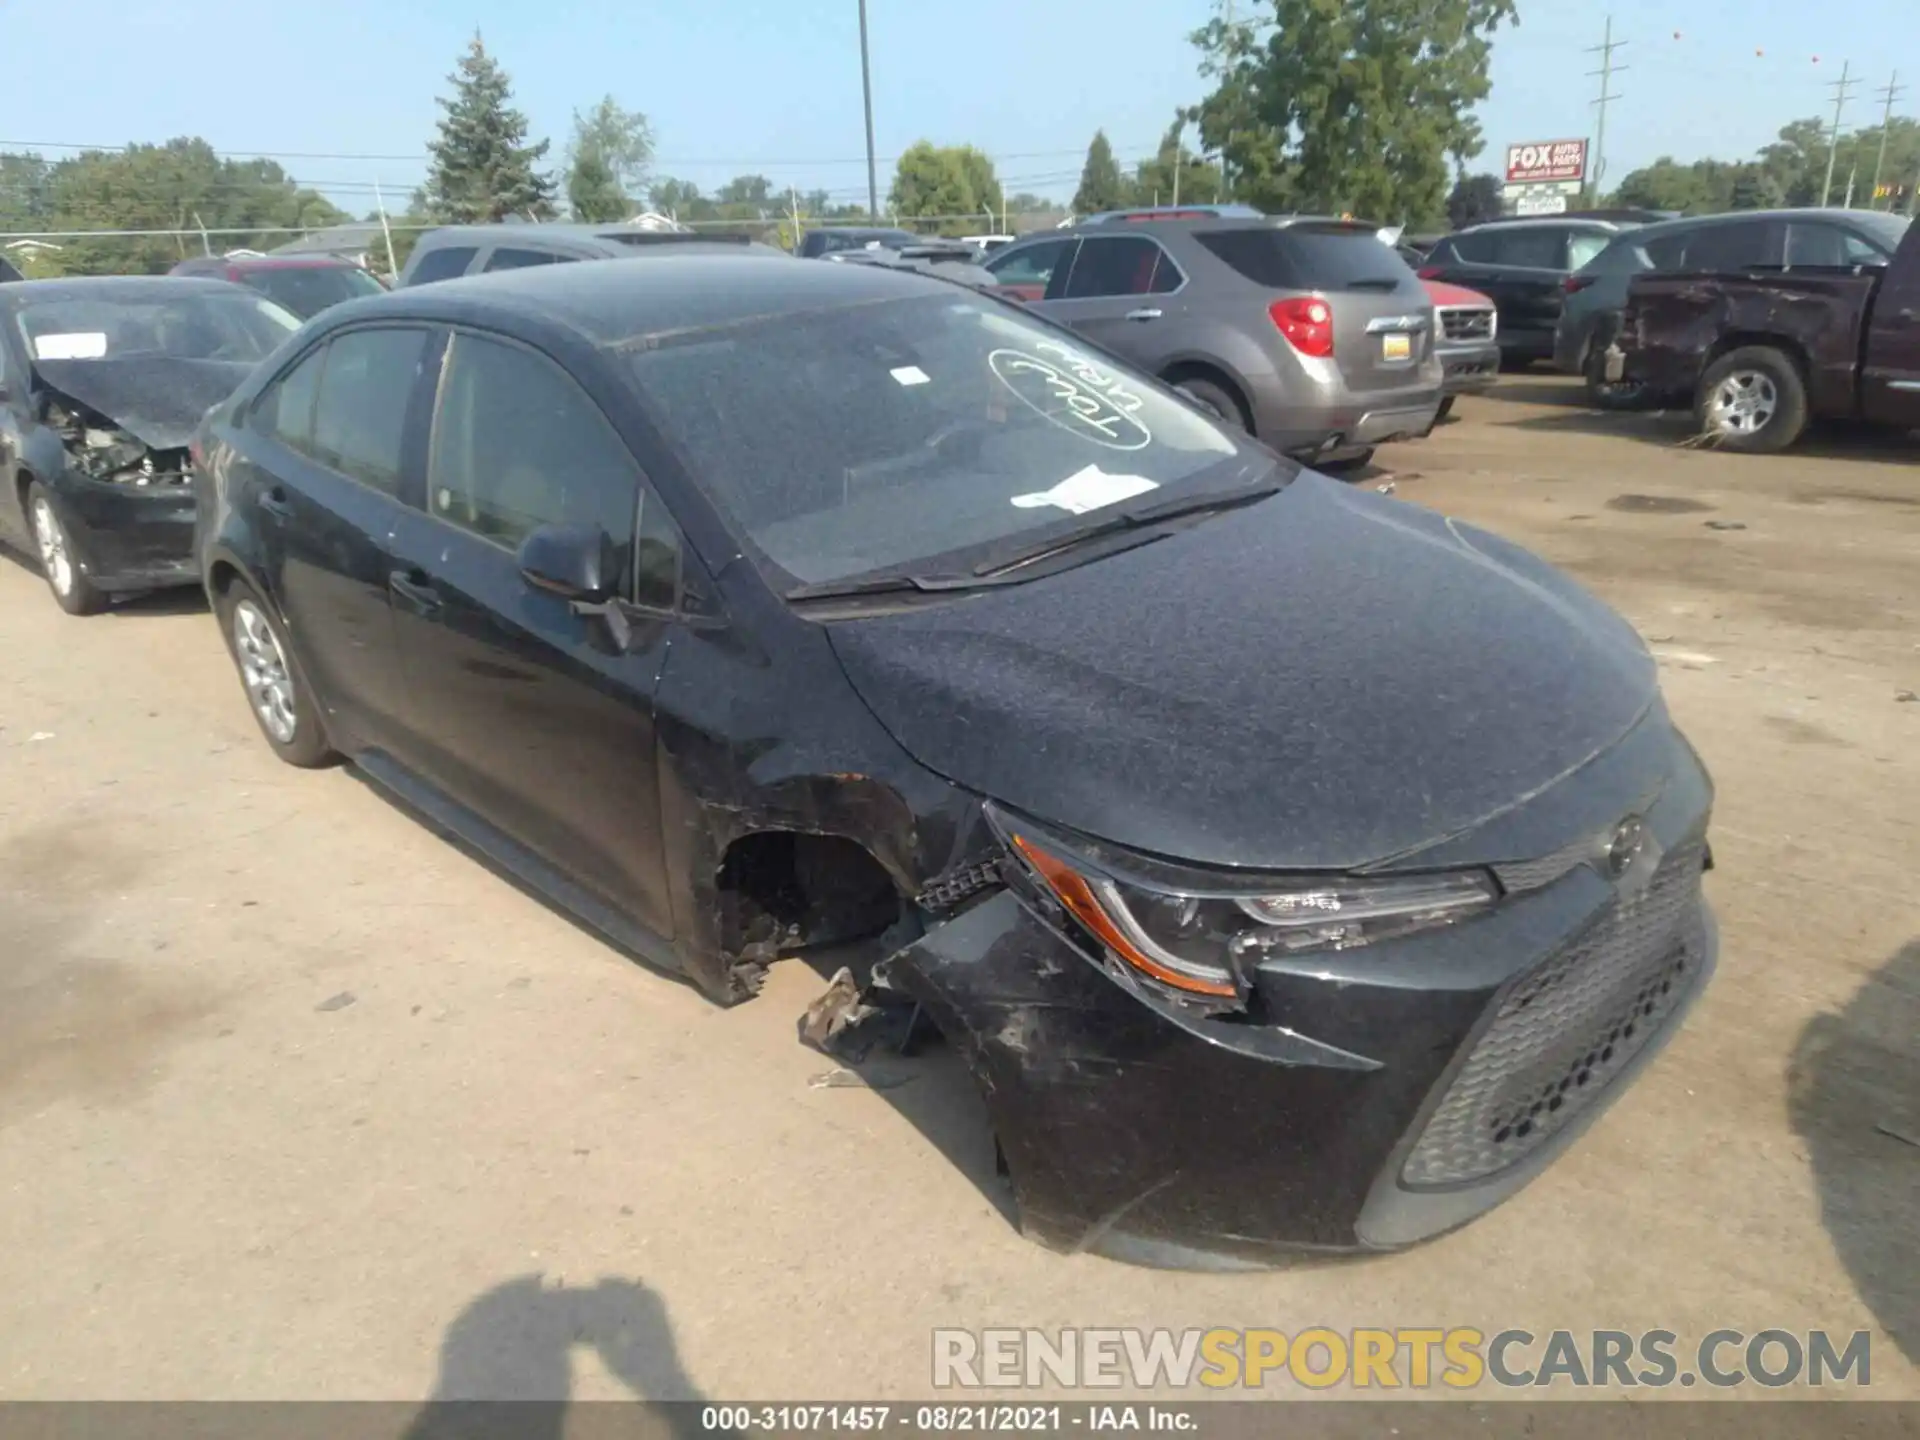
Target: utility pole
{"points": [[1606, 72], [866, 90], [1890, 94], [1840, 98], [386, 230]]}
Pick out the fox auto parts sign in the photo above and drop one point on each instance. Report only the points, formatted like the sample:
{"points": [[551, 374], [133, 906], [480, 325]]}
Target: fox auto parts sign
{"points": [[1546, 160]]}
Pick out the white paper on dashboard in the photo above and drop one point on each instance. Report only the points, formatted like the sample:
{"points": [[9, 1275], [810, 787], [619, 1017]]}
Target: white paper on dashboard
{"points": [[1088, 489], [81, 345]]}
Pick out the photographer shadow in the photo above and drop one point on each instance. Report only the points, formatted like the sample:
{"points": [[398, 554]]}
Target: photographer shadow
{"points": [[506, 1366]]}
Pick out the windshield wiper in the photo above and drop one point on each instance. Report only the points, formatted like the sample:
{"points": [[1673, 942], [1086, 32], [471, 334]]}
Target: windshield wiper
{"points": [[1131, 518], [1000, 570]]}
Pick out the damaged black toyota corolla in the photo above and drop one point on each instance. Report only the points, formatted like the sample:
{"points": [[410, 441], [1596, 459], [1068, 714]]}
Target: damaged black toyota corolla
{"points": [[1292, 866], [102, 381]]}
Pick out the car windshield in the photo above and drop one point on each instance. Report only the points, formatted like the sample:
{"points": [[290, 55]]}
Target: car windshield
{"points": [[306, 290], [191, 326], [903, 433]]}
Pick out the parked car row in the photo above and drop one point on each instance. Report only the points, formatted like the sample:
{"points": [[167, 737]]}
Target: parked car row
{"points": [[1291, 866]]}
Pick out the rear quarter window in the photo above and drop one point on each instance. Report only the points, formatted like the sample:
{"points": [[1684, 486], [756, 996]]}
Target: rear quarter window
{"points": [[441, 264], [1303, 257]]}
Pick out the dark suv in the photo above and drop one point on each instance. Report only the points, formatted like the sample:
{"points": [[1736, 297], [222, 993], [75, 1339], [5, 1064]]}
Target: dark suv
{"points": [[455, 250], [1522, 266], [1311, 334]]}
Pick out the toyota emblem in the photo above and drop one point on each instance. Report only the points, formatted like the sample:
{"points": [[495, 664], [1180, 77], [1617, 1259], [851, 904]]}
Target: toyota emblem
{"points": [[1625, 847]]}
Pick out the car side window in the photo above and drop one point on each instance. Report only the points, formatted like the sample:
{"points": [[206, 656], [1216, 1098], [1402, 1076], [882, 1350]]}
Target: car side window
{"points": [[517, 444], [1815, 243], [1029, 264], [1584, 245], [1119, 265], [1474, 249], [285, 409], [442, 264], [508, 258], [1544, 248], [1735, 246], [360, 415], [657, 555]]}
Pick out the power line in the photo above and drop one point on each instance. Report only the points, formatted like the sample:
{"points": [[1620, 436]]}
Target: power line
{"points": [[1890, 94], [1606, 72], [1840, 88]]}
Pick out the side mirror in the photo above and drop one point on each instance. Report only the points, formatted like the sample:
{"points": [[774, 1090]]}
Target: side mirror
{"points": [[576, 562]]}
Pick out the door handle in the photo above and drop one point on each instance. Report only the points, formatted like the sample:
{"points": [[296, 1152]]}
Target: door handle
{"points": [[413, 587], [1148, 313], [274, 502]]}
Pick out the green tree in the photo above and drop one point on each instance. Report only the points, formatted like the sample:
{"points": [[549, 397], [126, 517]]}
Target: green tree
{"points": [[607, 161], [941, 180], [1102, 186], [756, 190], [1176, 172], [679, 198], [182, 187], [1754, 189], [483, 168], [1349, 105], [1474, 198]]}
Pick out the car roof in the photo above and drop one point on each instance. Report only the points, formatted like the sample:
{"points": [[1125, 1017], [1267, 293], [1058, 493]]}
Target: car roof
{"points": [[617, 304], [1541, 222], [209, 263], [1729, 217], [130, 289]]}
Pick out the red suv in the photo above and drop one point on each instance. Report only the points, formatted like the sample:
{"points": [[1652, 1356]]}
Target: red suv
{"points": [[305, 285]]}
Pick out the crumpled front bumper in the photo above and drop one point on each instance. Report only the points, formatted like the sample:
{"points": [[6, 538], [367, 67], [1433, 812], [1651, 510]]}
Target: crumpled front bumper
{"points": [[130, 537], [1357, 1106]]}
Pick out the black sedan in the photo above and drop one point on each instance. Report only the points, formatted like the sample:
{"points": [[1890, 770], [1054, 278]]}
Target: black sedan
{"points": [[746, 608], [101, 384]]}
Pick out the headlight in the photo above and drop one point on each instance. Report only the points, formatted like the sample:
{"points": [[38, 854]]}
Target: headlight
{"points": [[1206, 937]]}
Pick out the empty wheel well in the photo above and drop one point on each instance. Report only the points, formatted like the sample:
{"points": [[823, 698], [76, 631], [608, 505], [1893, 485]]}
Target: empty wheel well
{"points": [[1213, 375], [221, 576], [20, 483], [797, 889]]}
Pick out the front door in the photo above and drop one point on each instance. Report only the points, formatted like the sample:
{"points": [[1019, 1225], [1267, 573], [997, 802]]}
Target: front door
{"points": [[536, 717], [321, 461], [1890, 388]]}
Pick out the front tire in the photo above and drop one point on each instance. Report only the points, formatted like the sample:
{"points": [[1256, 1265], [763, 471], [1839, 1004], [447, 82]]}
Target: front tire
{"points": [[72, 591], [282, 708], [1753, 400], [1445, 410]]}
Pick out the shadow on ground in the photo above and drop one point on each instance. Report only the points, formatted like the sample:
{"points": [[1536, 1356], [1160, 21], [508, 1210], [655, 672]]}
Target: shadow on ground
{"points": [[506, 1362], [1854, 1099]]}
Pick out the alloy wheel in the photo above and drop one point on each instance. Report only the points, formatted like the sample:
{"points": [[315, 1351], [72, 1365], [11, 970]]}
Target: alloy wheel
{"points": [[263, 669], [1744, 403], [55, 555]]}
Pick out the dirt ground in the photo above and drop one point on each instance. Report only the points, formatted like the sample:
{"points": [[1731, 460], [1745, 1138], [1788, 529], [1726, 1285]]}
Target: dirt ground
{"points": [[298, 1101]]}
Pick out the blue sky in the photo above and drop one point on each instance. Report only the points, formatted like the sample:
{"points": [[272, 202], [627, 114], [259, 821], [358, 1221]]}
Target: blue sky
{"points": [[344, 91]]}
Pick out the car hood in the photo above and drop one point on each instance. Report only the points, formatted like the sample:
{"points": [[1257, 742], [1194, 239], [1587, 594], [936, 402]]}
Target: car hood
{"points": [[156, 399], [1327, 680]]}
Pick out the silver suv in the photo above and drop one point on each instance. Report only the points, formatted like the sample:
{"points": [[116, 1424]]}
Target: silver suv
{"points": [[1309, 333]]}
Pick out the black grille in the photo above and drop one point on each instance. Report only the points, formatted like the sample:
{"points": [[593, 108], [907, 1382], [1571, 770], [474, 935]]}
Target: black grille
{"points": [[1567, 1028], [1466, 324]]}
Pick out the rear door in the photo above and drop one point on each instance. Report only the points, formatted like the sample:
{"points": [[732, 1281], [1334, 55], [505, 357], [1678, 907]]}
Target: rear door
{"points": [[1121, 293], [322, 461], [1891, 379]]}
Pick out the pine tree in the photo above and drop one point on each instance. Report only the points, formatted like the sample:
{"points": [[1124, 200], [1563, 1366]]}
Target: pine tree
{"points": [[1101, 185], [483, 169]]}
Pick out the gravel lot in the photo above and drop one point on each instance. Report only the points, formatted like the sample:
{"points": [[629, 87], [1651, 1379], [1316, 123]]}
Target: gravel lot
{"points": [[298, 1101]]}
